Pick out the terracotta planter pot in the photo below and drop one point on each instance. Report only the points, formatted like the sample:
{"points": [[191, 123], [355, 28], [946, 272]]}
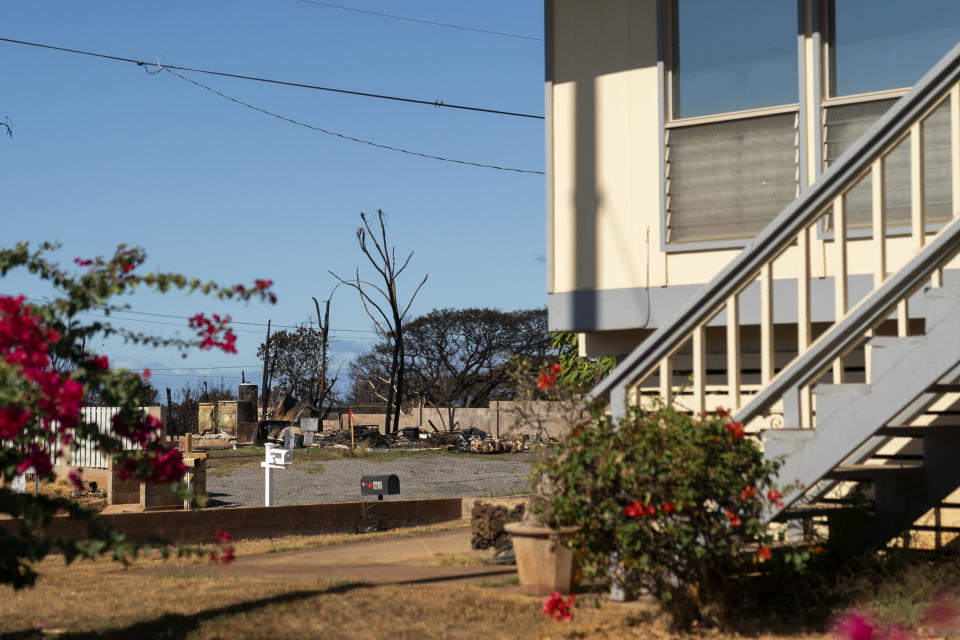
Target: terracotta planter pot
{"points": [[544, 562]]}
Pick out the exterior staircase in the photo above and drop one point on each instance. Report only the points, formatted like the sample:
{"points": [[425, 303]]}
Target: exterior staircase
{"points": [[853, 421], [835, 436]]}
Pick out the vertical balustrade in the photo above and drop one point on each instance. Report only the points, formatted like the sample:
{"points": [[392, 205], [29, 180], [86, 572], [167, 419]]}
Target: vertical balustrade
{"points": [[699, 370], [879, 228], [766, 323], [733, 353], [803, 317], [840, 295], [666, 381]]}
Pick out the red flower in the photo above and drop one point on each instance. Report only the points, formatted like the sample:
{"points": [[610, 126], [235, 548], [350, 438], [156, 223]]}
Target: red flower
{"points": [[748, 493], [146, 374], [669, 507], [635, 510], [12, 420], [546, 381], [723, 413], [38, 459], [555, 369], [557, 608], [127, 268], [227, 557], [98, 363], [734, 519], [735, 429], [774, 495], [651, 510], [817, 549], [221, 536], [763, 553]]}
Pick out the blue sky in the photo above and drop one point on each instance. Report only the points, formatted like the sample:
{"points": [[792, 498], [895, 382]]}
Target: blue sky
{"points": [[104, 153]]}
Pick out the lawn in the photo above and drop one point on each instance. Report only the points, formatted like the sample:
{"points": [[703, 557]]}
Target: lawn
{"points": [[180, 599]]}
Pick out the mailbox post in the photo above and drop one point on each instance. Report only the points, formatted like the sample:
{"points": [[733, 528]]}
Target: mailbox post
{"points": [[276, 458]]}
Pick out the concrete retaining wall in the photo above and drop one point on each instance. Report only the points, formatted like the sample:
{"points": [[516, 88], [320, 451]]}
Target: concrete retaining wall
{"points": [[198, 527]]}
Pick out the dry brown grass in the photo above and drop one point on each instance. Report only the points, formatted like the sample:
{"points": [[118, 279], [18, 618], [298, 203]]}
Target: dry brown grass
{"points": [[101, 599]]}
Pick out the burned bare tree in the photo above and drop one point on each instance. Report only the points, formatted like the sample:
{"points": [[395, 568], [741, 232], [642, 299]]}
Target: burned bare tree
{"points": [[384, 260]]}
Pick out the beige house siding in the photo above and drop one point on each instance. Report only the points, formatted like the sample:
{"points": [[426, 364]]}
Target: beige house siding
{"points": [[606, 146]]}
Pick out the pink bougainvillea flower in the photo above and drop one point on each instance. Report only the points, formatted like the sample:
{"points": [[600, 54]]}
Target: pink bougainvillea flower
{"points": [[559, 608], [854, 626], [735, 429], [734, 519], [38, 458], [98, 363], [227, 556], [75, 478], [12, 420]]}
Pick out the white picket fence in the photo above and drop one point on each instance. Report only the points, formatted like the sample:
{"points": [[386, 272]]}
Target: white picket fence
{"points": [[88, 455]]}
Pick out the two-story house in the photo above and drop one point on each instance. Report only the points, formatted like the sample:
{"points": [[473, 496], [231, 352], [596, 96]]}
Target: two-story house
{"points": [[754, 204]]}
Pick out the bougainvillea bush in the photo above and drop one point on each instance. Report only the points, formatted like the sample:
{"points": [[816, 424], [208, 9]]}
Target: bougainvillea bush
{"points": [[664, 501], [45, 373]]}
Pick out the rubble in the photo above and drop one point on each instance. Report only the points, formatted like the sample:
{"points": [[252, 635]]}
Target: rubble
{"points": [[486, 525]]}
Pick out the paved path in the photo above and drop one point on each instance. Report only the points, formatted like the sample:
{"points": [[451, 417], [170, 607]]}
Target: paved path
{"points": [[397, 560]]}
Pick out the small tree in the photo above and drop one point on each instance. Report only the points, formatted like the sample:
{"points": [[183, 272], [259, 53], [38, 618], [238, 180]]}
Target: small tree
{"points": [[383, 258], [40, 407]]}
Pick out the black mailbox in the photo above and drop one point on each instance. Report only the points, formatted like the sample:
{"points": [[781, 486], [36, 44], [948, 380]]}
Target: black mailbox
{"points": [[379, 485]]}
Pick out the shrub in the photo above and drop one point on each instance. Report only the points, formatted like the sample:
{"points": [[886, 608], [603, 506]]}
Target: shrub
{"points": [[675, 500], [45, 374]]}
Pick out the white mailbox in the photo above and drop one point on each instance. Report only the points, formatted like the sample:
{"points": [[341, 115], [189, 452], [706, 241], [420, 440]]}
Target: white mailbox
{"points": [[279, 456], [276, 458]]}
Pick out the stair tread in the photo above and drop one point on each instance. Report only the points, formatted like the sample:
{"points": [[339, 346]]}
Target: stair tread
{"points": [[915, 431], [823, 509], [826, 389], [895, 342], [853, 471], [942, 292]]}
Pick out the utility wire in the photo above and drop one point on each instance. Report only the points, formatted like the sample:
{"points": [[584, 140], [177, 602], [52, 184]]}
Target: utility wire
{"points": [[346, 137], [232, 322], [174, 324], [301, 85], [430, 22]]}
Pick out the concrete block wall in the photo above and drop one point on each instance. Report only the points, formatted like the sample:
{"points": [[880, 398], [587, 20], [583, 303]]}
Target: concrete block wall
{"points": [[500, 418]]}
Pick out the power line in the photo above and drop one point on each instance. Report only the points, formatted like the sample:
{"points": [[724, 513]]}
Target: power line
{"points": [[346, 137], [254, 324], [430, 22], [175, 324], [301, 85]]}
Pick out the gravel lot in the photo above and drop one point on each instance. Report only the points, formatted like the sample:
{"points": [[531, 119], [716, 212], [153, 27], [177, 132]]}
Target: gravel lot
{"points": [[421, 476]]}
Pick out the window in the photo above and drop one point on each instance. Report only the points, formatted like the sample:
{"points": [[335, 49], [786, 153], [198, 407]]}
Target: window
{"points": [[727, 173], [732, 55], [877, 45]]}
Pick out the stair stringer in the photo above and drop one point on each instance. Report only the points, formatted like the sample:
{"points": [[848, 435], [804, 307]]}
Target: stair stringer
{"points": [[851, 419]]}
